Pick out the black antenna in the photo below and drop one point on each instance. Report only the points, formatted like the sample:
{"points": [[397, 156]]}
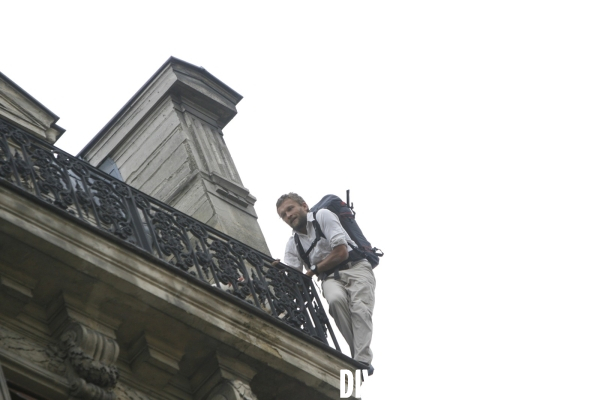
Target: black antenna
{"points": [[350, 205]]}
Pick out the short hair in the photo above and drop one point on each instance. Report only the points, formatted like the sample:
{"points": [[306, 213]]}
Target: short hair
{"points": [[292, 196]]}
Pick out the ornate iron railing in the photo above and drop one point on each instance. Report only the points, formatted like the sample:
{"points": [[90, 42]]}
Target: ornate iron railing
{"points": [[73, 186]]}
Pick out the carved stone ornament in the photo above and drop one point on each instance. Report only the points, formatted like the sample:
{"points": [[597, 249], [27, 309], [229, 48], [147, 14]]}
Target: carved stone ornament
{"points": [[45, 357], [233, 390], [124, 392], [90, 358]]}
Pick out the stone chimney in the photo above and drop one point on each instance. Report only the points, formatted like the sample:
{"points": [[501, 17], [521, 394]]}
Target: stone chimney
{"points": [[167, 141]]}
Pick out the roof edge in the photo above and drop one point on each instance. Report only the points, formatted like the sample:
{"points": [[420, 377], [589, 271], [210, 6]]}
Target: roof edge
{"points": [[36, 102]]}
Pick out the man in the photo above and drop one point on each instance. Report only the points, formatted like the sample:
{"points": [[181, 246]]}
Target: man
{"points": [[348, 279]]}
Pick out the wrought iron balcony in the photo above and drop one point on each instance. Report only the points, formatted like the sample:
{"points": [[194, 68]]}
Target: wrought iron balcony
{"points": [[78, 191]]}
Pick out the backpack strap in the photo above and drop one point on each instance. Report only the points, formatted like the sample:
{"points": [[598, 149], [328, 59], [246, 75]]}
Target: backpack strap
{"points": [[301, 251], [353, 255], [319, 234], [356, 253]]}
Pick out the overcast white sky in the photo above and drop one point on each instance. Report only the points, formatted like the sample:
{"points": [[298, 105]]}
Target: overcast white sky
{"points": [[467, 131]]}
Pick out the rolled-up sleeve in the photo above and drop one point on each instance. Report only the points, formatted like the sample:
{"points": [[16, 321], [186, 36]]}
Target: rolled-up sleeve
{"points": [[332, 228]]}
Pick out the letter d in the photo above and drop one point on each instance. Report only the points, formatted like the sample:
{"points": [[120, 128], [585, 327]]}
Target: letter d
{"points": [[345, 392]]}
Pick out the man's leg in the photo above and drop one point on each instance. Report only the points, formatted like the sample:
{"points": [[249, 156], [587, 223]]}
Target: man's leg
{"points": [[337, 297], [361, 290]]}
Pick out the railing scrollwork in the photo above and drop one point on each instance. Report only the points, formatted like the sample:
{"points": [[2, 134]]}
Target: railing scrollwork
{"points": [[71, 185]]}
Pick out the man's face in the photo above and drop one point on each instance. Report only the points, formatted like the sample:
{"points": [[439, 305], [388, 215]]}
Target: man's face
{"points": [[293, 214]]}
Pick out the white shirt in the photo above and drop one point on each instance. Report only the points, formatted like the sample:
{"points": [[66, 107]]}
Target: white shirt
{"points": [[334, 236]]}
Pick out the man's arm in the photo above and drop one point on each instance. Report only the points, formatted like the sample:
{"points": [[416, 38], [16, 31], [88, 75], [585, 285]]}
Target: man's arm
{"points": [[338, 255], [335, 234], [290, 258]]}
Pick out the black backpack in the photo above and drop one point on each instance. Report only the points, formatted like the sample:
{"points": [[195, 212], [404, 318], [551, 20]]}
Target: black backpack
{"points": [[346, 214]]}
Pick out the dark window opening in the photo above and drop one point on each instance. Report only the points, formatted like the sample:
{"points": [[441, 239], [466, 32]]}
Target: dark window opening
{"points": [[110, 167], [9, 391]]}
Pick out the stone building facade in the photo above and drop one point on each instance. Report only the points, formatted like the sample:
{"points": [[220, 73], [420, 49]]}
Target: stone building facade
{"points": [[137, 270]]}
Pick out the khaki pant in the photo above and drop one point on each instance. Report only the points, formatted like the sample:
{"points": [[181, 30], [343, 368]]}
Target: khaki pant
{"points": [[351, 301]]}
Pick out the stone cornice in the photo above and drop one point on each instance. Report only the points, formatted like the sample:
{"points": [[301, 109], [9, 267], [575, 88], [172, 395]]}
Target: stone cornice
{"points": [[20, 108]]}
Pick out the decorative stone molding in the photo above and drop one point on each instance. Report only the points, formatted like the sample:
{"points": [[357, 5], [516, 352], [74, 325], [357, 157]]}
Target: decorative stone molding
{"points": [[46, 357], [154, 361], [19, 107], [232, 390], [90, 358], [124, 392], [67, 309], [224, 378], [232, 191], [14, 296]]}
